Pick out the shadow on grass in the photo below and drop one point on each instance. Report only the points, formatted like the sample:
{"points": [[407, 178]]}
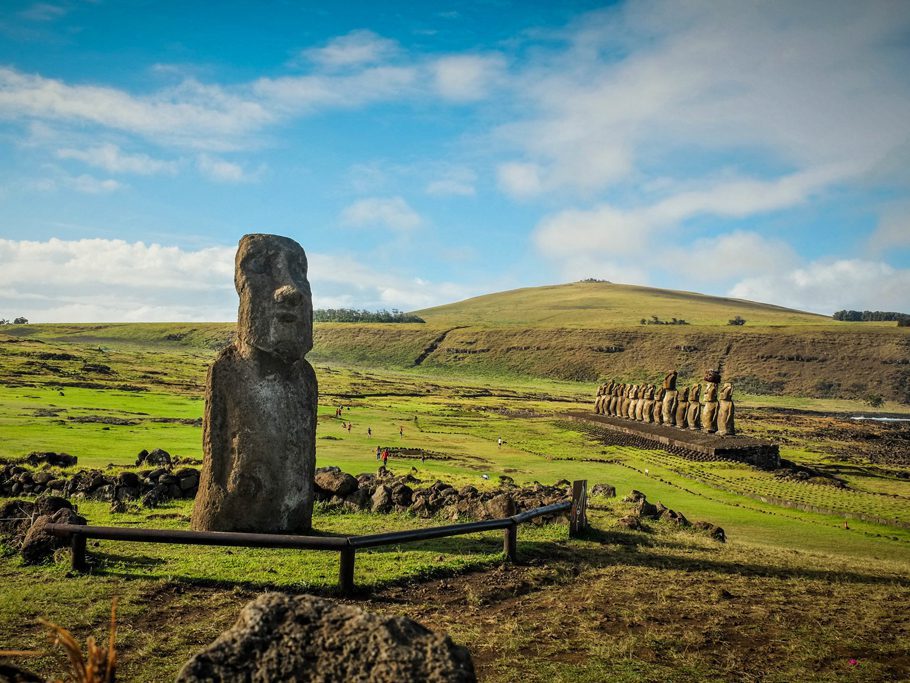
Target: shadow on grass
{"points": [[611, 553], [613, 548], [487, 551]]}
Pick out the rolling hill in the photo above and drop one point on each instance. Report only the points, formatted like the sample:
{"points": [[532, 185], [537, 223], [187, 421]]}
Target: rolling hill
{"points": [[597, 305], [588, 332]]}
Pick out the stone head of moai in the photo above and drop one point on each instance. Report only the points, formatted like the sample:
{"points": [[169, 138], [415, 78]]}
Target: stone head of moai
{"points": [[726, 392], [670, 381], [276, 307]]}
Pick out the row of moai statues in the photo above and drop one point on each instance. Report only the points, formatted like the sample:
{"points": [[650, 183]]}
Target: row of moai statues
{"points": [[667, 405]]}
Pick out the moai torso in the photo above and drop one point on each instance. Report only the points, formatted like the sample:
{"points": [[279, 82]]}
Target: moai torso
{"points": [[693, 413], [647, 412], [658, 409], [668, 416], [725, 411], [709, 408], [681, 408]]}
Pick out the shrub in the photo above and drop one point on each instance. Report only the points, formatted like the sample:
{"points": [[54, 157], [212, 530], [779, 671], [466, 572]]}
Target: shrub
{"points": [[874, 400]]}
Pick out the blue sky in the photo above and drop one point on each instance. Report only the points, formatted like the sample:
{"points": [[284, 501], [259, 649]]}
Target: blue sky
{"points": [[426, 152]]}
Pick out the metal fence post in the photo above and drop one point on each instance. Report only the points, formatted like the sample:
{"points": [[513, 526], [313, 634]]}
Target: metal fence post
{"points": [[510, 542], [578, 516], [346, 571], [77, 543]]}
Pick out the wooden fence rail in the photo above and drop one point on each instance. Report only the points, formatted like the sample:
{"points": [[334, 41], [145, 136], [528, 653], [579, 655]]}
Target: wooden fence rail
{"points": [[346, 546]]}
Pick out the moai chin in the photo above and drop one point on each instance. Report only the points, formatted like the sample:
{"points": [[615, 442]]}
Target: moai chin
{"points": [[259, 429]]}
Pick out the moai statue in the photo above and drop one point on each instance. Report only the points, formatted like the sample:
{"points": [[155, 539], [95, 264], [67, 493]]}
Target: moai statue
{"points": [[614, 397], [605, 399], [670, 399], [693, 413], [598, 397], [633, 403], [709, 408], [725, 426], [259, 427], [642, 403], [659, 405], [648, 409], [624, 402], [682, 407]]}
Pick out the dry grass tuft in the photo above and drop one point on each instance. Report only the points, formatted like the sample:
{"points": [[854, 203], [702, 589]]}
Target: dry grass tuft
{"points": [[98, 666]]}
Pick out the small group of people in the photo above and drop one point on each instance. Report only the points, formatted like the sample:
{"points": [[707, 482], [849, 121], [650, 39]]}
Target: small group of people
{"points": [[667, 405]]}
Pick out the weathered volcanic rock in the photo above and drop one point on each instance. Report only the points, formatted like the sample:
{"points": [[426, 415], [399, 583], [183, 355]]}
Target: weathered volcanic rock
{"points": [[39, 545], [712, 530], [605, 490], [633, 497], [335, 482], [280, 637]]}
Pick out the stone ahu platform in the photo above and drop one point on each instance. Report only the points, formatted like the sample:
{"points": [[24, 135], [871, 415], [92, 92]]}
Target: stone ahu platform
{"points": [[690, 444]]}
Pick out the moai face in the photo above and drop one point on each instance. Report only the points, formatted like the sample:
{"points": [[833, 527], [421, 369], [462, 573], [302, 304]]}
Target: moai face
{"points": [[276, 307], [726, 393], [670, 381]]}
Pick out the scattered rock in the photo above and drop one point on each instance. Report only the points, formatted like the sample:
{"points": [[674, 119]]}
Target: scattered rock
{"points": [[631, 522], [646, 509], [382, 499], [335, 482], [634, 496], [604, 490], [39, 545], [711, 530], [156, 457], [36, 458], [280, 637]]}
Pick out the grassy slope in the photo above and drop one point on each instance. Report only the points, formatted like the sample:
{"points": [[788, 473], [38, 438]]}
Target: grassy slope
{"points": [[807, 594], [598, 305]]}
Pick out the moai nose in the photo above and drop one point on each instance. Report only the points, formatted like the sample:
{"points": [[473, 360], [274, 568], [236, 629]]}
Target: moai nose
{"points": [[288, 295]]}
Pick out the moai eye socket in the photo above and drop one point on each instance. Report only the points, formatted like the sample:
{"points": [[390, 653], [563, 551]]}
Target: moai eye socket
{"points": [[258, 263]]}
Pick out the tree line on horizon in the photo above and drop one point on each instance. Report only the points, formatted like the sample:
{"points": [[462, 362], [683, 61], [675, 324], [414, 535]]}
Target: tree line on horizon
{"points": [[351, 315], [903, 319]]}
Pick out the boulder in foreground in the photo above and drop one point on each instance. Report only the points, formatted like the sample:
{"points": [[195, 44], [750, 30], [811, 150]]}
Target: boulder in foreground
{"points": [[281, 637]]}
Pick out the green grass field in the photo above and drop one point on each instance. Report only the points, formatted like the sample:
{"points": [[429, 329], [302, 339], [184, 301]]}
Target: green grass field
{"points": [[807, 594]]}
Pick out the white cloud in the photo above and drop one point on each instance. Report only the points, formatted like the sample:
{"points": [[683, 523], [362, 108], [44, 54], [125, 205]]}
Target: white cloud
{"points": [[303, 94], [386, 212], [519, 180], [353, 49], [342, 281], [96, 280], [608, 231], [190, 114], [111, 158], [467, 77], [455, 181], [893, 230], [222, 171], [809, 85], [728, 257], [828, 286], [91, 185]]}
